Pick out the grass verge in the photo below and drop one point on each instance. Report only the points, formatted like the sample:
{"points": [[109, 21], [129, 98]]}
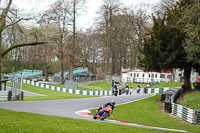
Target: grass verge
{"points": [[98, 85], [168, 84], [147, 112], [79, 88], [20, 122], [50, 94], [191, 100]]}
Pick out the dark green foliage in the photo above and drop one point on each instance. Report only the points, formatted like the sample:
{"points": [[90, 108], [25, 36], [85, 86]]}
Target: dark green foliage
{"points": [[166, 47], [163, 49], [192, 28]]}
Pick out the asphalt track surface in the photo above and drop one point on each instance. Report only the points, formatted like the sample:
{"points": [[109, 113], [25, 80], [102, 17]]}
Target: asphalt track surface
{"points": [[70, 107]]}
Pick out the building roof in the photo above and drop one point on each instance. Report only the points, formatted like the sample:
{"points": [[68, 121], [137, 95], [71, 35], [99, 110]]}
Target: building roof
{"points": [[139, 70]]}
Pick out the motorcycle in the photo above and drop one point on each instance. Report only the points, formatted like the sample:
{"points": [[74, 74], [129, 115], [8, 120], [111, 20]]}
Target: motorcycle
{"points": [[115, 93], [106, 112]]}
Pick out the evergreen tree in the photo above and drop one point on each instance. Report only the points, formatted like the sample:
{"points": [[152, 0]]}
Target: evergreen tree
{"points": [[164, 46]]}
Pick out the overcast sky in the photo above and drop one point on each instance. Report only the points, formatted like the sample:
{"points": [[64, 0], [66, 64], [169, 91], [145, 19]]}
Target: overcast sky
{"points": [[87, 19]]}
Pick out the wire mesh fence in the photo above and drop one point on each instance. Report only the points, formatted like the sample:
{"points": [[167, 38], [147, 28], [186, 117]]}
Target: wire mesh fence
{"points": [[16, 87], [109, 78], [71, 84]]}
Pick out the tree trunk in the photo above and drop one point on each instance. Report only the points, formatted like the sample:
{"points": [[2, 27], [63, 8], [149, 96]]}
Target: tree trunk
{"points": [[0, 54], [0, 65], [61, 71], [187, 82], [113, 64], [71, 67], [72, 57], [120, 65], [125, 60], [107, 62], [46, 72]]}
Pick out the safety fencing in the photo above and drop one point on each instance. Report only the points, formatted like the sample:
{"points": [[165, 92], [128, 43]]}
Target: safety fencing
{"points": [[66, 90], [157, 90], [198, 117], [190, 115], [183, 112]]}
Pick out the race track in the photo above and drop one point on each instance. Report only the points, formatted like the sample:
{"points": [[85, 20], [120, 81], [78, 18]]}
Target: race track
{"points": [[67, 107], [72, 108]]}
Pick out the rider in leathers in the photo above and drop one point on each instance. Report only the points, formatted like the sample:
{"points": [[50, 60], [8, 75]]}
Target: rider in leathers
{"points": [[111, 104]]}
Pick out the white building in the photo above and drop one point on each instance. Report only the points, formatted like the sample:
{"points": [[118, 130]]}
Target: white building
{"points": [[140, 76]]}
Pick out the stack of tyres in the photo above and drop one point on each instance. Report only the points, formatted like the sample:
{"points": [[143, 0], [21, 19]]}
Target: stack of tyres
{"points": [[170, 96], [198, 117], [167, 103], [162, 98]]}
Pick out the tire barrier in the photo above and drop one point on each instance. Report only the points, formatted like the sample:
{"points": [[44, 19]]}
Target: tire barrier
{"points": [[169, 98], [73, 91], [198, 117], [183, 112]]}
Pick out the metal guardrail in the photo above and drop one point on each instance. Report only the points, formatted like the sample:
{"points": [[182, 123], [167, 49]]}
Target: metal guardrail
{"points": [[184, 113], [15, 91], [169, 98]]}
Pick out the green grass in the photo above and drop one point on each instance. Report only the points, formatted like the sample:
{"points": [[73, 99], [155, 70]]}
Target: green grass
{"points": [[147, 112], [102, 84], [79, 88], [98, 85], [192, 100], [20, 122], [134, 85], [107, 85], [58, 85], [168, 84], [50, 94]]}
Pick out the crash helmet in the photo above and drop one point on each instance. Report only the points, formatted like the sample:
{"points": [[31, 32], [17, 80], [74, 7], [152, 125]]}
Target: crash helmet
{"points": [[113, 102]]}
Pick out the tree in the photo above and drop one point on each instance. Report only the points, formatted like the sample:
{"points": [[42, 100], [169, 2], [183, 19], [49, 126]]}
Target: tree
{"points": [[76, 6], [192, 30], [57, 17], [39, 57], [108, 10], [123, 36], [5, 24], [164, 45]]}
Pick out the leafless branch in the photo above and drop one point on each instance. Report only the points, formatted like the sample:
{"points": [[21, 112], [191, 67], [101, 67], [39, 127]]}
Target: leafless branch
{"points": [[21, 45]]}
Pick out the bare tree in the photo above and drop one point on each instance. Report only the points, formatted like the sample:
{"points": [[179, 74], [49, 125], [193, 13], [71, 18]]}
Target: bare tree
{"points": [[77, 5], [5, 22], [108, 10], [58, 16], [122, 30]]}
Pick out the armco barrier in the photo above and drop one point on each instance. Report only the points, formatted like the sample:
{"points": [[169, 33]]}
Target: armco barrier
{"points": [[80, 92], [184, 113], [198, 117]]}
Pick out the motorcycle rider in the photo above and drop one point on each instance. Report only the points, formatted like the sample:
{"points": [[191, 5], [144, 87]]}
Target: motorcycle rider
{"points": [[127, 89], [115, 90], [111, 104]]}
